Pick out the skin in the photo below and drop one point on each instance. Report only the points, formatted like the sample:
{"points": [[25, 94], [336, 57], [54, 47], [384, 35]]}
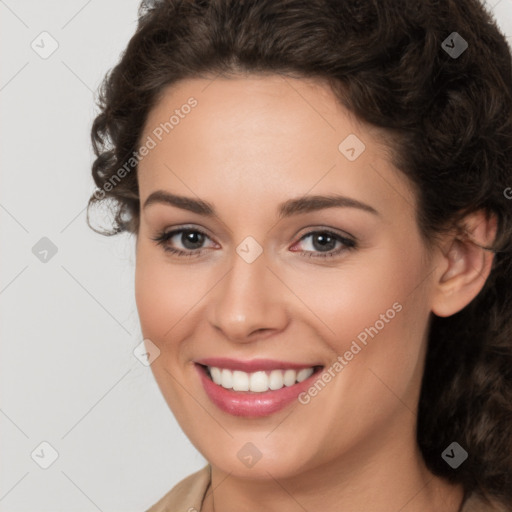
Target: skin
{"points": [[251, 143]]}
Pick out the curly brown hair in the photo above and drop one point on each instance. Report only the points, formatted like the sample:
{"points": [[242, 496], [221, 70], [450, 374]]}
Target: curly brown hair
{"points": [[449, 120]]}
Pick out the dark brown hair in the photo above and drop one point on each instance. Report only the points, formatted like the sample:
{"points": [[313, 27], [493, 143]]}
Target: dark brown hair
{"points": [[449, 121]]}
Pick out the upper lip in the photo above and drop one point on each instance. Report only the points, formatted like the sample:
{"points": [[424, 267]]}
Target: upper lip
{"points": [[252, 365]]}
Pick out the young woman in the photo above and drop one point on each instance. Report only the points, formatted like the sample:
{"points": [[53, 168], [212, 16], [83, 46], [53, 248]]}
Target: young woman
{"points": [[320, 192]]}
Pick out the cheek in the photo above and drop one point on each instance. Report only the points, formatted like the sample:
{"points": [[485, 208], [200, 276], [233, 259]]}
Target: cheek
{"points": [[166, 295], [156, 296], [371, 310], [353, 297]]}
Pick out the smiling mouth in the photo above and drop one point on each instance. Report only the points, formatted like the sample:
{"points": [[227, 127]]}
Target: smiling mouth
{"points": [[259, 381]]}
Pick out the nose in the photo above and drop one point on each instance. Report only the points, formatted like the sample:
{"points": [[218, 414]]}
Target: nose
{"points": [[249, 302]]}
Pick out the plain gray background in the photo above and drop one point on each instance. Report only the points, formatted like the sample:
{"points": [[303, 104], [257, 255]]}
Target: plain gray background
{"points": [[69, 323]]}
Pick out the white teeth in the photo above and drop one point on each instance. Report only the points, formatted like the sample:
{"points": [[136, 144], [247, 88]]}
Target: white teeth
{"points": [[304, 374], [259, 381], [216, 375], [226, 379], [240, 381], [290, 376], [275, 380]]}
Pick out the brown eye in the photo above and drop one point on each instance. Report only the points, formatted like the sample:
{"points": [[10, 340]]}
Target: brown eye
{"points": [[324, 242], [190, 239]]}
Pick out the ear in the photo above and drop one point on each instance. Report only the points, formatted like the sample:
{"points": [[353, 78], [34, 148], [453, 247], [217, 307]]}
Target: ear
{"points": [[464, 265]]}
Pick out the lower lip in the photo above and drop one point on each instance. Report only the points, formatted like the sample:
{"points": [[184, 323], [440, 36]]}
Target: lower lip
{"points": [[243, 403]]}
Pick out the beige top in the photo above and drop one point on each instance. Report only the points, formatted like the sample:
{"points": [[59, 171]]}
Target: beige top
{"points": [[188, 496]]}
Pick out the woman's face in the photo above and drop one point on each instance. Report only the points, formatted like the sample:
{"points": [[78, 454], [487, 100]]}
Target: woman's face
{"points": [[274, 280]]}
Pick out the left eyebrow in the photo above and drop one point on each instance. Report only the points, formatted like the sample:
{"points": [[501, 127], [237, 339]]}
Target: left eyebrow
{"points": [[313, 203], [289, 208]]}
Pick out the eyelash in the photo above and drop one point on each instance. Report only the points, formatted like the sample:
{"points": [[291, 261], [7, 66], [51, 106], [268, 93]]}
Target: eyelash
{"points": [[163, 237]]}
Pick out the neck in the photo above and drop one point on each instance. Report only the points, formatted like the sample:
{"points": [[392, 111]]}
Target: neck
{"points": [[383, 481]]}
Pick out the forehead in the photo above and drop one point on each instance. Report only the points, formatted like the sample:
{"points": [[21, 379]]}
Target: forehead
{"points": [[261, 105], [255, 132]]}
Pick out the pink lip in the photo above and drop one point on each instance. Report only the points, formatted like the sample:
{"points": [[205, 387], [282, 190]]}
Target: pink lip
{"points": [[253, 365], [251, 404]]}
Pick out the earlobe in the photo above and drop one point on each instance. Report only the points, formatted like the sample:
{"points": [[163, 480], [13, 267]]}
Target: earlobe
{"points": [[466, 265]]}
